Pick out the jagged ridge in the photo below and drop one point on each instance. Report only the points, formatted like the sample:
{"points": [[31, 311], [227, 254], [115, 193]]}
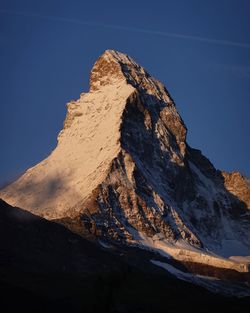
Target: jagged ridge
{"points": [[123, 170]]}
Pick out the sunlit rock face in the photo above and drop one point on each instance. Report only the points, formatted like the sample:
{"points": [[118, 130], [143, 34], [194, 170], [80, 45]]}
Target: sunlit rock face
{"points": [[122, 171], [238, 186]]}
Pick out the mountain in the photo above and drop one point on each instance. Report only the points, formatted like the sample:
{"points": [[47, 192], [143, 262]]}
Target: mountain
{"points": [[123, 174], [46, 268]]}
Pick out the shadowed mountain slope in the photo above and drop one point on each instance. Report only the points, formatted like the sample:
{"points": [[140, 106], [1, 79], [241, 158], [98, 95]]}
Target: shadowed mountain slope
{"points": [[46, 268]]}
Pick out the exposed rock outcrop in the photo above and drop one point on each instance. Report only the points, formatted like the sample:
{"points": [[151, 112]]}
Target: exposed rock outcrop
{"points": [[122, 170]]}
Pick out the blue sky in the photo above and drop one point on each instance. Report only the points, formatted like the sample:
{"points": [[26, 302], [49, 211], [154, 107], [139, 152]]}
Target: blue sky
{"points": [[199, 49]]}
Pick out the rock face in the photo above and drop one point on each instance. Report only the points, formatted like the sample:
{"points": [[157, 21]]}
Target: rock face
{"points": [[238, 185], [122, 171]]}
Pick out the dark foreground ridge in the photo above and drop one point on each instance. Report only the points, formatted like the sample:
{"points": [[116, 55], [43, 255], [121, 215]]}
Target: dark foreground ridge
{"points": [[46, 268]]}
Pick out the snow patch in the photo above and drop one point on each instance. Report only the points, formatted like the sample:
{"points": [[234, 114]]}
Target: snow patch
{"points": [[86, 147], [212, 284], [104, 244], [182, 251]]}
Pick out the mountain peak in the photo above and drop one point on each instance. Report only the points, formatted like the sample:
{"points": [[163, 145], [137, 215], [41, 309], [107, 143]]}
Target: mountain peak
{"points": [[106, 70], [123, 171], [124, 103], [113, 66]]}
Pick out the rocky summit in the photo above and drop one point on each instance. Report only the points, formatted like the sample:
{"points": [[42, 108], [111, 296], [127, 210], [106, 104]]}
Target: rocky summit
{"points": [[123, 175]]}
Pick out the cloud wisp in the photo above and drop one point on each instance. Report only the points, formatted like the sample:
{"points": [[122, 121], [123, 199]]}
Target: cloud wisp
{"points": [[131, 29]]}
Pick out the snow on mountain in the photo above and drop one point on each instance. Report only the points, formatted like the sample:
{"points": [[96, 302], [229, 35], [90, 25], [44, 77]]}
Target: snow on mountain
{"points": [[210, 283], [123, 172], [86, 146]]}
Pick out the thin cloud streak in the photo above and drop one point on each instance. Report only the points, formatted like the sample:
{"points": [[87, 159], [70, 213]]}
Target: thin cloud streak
{"points": [[237, 71], [132, 29]]}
